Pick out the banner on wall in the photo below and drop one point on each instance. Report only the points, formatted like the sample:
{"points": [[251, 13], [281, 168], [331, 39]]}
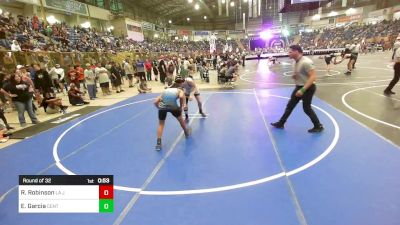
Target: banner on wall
{"points": [[221, 32], [170, 31], [201, 33], [67, 6], [159, 29], [184, 32], [134, 30], [344, 19], [235, 31], [147, 26]]}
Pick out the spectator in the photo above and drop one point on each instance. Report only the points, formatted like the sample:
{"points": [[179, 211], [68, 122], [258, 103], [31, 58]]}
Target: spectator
{"points": [[52, 105], [73, 76], [129, 72], [22, 99], [3, 95], [155, 70], [162, 69], [81, 78], [54, 77], [61, 77], [104, 80], [26, 78], [90, 78], [75, 96], [15, 46], [3, 38], [147, 65], [140, 70], [115, 78], [42, 80], [4, 136], [169, 80]]}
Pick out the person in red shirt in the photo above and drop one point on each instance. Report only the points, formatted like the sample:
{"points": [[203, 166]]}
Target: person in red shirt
{"points": [[148, 66], [35, 22], [73, 76], [81, 76]]}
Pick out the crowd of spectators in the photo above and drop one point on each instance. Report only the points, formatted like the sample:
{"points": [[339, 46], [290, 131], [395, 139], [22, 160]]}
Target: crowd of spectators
{"points": [[32, 34], [382, 33]]}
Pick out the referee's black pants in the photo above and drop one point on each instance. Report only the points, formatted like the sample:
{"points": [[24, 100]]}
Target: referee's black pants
{"points": [[307, 99], [396, 77]]}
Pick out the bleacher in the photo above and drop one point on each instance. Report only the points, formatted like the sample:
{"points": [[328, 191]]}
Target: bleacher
{"points": [[32, 35]]}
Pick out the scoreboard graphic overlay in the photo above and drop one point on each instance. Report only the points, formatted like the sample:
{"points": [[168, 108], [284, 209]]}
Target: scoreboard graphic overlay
{"points": [[66, 194]]}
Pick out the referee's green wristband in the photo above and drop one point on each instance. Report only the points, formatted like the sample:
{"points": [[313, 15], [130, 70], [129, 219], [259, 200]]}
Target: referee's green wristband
{"points": [[302, 90]]}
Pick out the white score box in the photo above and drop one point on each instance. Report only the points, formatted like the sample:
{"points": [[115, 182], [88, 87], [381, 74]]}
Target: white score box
{"points": [[54, 192], [58, 206]]}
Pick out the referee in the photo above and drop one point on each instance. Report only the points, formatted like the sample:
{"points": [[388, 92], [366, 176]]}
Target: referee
{"points": [[396, 58], [304, 77], [354, 48]]}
